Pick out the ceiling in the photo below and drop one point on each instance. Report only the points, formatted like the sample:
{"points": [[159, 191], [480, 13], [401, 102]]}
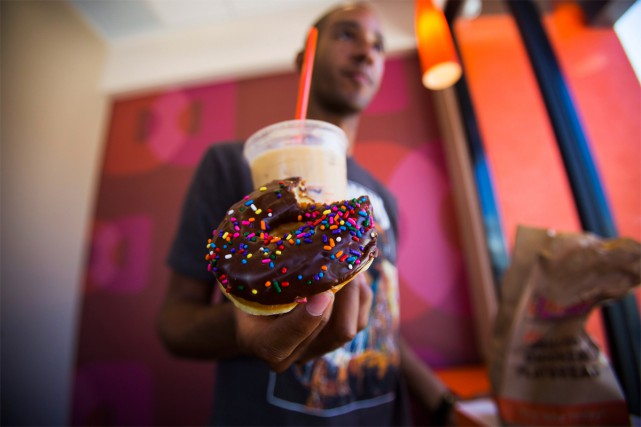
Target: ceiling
{"points": [[121, 19], [117, 20], [154, 43]]}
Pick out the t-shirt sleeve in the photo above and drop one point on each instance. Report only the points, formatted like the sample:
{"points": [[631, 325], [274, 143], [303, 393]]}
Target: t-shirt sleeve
{"points": [[219, 181], [357, 173]]}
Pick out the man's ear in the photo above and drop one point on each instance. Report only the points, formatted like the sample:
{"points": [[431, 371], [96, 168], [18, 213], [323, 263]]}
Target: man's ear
{"points": [[299, 61]]}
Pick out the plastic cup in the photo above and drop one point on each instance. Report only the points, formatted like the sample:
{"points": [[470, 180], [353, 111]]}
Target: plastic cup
{"points": [[311, 149]]}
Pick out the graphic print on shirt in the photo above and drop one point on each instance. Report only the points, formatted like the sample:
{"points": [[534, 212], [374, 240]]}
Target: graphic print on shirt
{"points": [[363, 372]]}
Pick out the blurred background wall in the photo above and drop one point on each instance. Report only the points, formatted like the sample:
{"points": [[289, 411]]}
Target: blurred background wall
{"points": [[65, 306]]}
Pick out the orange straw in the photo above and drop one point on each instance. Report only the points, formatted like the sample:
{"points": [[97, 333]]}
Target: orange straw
{"points": [[306, 74]]}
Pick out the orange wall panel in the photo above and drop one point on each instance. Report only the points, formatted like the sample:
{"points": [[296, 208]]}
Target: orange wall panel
{"points": [[529, 178], [526, 165]]}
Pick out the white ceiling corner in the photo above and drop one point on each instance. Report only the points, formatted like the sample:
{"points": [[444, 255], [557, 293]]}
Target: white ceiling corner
{"points": [[167, 42]]}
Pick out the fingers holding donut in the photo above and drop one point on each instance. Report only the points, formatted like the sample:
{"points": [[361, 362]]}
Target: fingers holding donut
{"points": [[277, 251], [366, 298], [350, 315], [280, 340]]}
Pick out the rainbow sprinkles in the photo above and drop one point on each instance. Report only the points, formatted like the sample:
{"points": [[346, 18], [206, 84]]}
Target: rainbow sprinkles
{"points": [[271, 250]]}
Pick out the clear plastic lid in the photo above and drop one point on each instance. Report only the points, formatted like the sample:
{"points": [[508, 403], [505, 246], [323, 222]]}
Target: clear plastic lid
{"points": [[293, 132]]}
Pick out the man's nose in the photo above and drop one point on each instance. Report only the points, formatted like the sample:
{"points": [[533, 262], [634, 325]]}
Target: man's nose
{"points": [[365, 50]]}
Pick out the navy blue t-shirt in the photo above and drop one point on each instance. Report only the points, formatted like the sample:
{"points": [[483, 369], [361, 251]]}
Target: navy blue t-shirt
{"points": [[357, 384]]}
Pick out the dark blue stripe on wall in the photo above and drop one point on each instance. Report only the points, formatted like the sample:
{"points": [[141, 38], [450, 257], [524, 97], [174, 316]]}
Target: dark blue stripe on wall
{"points": [[492, 222]]}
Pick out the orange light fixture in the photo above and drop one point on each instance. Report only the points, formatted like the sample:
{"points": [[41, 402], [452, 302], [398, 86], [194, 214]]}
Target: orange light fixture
{"points": [[440, 64]]}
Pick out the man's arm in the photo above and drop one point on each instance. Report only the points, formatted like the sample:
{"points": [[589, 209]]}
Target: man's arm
{"points": [[425, 387], [190, 326]]}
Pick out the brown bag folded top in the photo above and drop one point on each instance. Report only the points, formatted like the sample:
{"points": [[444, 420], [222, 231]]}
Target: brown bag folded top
{"points": [[544, 367]]}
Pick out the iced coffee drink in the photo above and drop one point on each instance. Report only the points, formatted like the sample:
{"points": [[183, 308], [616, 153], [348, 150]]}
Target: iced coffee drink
{"points": [[311, 149]]}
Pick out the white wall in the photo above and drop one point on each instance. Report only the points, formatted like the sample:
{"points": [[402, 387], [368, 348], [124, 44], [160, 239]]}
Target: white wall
{"points": [[53, 118], [629, 32]]}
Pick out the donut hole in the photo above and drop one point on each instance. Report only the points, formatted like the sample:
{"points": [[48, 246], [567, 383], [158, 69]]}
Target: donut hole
{"points": [[281, 230]]}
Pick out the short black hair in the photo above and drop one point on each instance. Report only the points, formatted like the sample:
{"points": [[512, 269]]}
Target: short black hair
{"points": [[320, 22]]}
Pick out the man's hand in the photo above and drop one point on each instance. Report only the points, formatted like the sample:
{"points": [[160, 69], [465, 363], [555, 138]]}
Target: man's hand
{"points": [[323, 324], [280, 340], [349, 316]]}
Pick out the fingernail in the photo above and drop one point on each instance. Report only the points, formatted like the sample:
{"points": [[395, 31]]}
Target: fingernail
{"points": [[317, 304]]}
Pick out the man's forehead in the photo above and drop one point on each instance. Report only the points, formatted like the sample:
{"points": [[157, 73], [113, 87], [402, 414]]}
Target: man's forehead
{"points": [[355, 16]]}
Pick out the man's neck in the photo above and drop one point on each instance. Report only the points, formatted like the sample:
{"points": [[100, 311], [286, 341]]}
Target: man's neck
{"points": [[349, 124]]}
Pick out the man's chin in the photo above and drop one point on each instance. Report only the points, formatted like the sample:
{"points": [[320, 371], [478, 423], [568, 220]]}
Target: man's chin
{"points": [[349, 105], [359, 104]]}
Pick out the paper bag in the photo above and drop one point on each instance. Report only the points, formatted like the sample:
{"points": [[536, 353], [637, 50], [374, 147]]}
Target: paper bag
{"points": [[544, 368]]}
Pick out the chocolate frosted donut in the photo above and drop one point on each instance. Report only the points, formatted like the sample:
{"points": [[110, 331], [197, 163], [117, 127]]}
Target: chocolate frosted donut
{"points": [[277, 246]]}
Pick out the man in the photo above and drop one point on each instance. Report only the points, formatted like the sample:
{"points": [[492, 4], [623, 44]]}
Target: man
{"points": [[338, 359]]}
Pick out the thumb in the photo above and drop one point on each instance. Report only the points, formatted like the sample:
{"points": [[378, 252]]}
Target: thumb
{"points": [[317, 304]]}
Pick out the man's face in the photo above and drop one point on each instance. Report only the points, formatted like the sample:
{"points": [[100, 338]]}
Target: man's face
{"points": [[349, 61]]}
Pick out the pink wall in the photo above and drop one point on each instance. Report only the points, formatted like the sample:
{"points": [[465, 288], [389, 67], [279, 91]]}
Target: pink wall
{"points": [[152, 147]]}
